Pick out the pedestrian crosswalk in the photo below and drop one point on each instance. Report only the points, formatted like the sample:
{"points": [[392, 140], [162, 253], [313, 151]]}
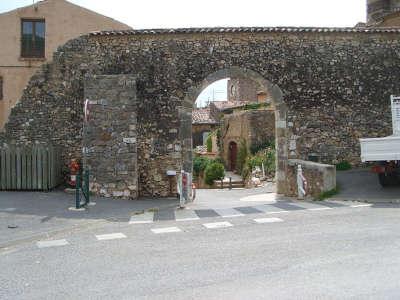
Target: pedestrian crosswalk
{"points": [[182, 215], [263, 214]]}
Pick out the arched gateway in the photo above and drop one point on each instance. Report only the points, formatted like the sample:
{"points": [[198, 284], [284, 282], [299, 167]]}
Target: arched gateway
{"points": [[329, 87]]}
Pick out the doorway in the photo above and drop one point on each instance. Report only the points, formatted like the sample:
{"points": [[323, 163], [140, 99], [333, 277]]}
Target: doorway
{"points": [[232, 156]]}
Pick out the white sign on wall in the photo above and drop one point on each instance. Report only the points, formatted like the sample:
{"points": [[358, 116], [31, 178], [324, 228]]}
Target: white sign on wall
{"points": [[395, 100]]}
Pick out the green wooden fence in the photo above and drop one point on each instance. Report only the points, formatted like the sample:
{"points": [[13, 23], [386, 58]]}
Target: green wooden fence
{"points": [[29, 168]]}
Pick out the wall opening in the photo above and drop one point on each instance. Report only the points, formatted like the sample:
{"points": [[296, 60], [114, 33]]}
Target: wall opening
{"points": [[264, 93]]}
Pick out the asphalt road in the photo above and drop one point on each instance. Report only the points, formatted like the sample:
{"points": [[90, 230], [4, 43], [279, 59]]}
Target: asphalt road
{"points": [[345, 252]]}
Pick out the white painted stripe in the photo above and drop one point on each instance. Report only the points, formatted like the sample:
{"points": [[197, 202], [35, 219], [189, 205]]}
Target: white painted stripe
{"points": [[165, 230], [144, 218], [233, 216], [140, 222], [228, 212], [278, 212], [320, 208], [217, 225], [110, 236], [188, 219], [361, 205], [9, 209], [185, 215], [54, 243], [268, 220]]}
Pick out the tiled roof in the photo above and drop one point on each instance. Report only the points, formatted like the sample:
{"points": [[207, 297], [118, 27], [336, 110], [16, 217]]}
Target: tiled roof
{"points": [[222, 105], [249, 29], [202, 116]]}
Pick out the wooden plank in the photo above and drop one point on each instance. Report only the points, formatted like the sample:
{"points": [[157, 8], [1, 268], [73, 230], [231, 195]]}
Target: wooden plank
{"points": [[3, 169], [23, 168], [8, 169], [45, 170], [13, 169], [29, 169], [18, 167], [34, 168], [40, 168]]}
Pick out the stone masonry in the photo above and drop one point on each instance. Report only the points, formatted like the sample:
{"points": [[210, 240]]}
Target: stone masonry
{"points": [[329, 86], [110, 135]]}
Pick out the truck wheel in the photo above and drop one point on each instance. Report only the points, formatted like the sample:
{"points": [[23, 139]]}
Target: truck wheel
{"points": [[387, 179]]}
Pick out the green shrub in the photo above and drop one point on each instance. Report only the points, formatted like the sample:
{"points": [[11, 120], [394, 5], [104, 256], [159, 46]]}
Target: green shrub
{"points": [[266, 157], [209, 143], [343, 166], [214, 171], [200, 164], [241, 156], [328, 194], [254, 106], [261, 146]]}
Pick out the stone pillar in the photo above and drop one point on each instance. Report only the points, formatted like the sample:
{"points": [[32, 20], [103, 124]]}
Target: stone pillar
{"points": [[110, 135]]}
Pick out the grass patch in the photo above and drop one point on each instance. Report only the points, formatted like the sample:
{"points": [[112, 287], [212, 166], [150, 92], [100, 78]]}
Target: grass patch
{"points": [[343, 166], [328, 194]]}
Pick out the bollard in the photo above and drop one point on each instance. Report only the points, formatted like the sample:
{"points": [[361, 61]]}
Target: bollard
{"points": [[300, 183], [230, 183]]}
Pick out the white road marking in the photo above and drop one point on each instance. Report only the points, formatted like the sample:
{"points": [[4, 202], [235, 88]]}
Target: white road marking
{"points": [[361, 205], [217, 225], [229, 213], [320, 208], [188, 219], [110, 236], [54, 243], [9, 209], [144, 218], [166, 230], [182, 215], [268, 220], [278, 212]]}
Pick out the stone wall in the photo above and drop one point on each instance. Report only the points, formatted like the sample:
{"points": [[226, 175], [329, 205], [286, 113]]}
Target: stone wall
{"points": [[320, 177], [110, 135], [334, 86]]}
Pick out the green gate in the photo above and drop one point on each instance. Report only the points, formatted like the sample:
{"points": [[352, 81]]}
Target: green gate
{"points": [[35, 167]]}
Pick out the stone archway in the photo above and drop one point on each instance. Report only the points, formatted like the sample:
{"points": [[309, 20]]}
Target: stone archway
{"points": [[281, 130]]}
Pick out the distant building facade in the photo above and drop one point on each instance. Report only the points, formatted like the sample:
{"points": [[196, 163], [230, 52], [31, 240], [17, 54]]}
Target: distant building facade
{"points": [[29, 36], [245, 90]]}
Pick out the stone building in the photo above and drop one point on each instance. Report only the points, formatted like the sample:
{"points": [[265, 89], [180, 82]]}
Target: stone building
{"points": [[203, 124], [245, 90], [383, 13], [328, 87], [29, 36], [253, 127]]}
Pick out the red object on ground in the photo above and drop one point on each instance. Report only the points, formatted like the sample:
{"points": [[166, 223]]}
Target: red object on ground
{"points": [[73, 169]]}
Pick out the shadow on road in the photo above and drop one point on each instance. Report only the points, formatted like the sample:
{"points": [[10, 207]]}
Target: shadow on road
{"points": [[363, 185]]}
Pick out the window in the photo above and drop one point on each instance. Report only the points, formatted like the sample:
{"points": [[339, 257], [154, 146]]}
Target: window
{"points": [[1, 88], [33, 38]]}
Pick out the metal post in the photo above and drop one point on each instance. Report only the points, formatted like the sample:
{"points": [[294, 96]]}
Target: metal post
{"points": [[181, 198], [87, 186], [230, 183], [77, 191], [222, 183]]}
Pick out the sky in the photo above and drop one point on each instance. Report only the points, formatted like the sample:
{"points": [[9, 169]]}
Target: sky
{"points": [[195, 13], [141, 14]]}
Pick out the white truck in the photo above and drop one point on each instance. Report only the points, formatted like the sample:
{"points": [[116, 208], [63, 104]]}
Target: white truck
{"points": [[385, 151]]}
